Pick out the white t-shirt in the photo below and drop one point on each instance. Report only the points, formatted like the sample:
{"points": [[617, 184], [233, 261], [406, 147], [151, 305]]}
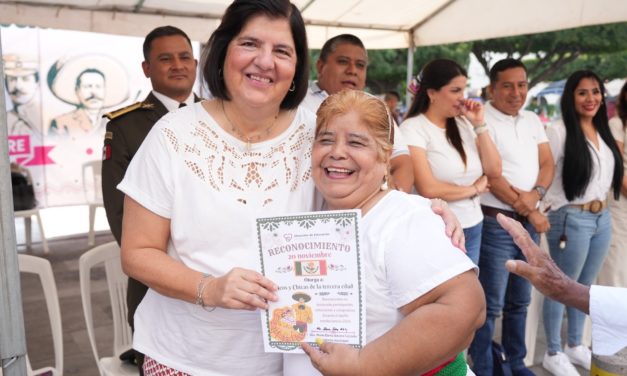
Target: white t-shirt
{"points": [[600, 178], [517, 139], [314, 98], [446, 163], [406, 254], [608, 311], [199, 176]]}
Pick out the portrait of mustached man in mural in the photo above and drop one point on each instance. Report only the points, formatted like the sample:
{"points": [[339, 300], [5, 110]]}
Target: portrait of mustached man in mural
{"points": [[22, 84], [92, 83]]}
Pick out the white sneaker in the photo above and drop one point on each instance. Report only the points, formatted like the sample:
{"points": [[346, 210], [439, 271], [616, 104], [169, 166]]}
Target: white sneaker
{"points": [[559, 365], [579, 355]]}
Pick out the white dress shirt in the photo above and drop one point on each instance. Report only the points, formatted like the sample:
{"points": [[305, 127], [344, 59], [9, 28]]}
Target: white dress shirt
{"points": [[171, 104]]}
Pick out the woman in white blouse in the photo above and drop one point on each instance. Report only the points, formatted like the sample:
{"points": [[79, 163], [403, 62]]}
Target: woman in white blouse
{"points": [[450, 146], [614, 270], [588, 165]]}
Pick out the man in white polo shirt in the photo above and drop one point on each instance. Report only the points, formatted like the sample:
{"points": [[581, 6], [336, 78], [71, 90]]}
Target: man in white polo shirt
{"points": [[342, 64], [527, 173]]}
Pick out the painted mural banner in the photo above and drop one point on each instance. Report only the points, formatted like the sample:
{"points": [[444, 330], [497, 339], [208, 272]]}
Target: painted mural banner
{"points": [[58, 84]]}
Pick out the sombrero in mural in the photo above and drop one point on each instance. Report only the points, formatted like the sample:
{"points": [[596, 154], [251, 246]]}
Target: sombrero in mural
{"points": [[19, 66], [301, 295], [62, 78]]}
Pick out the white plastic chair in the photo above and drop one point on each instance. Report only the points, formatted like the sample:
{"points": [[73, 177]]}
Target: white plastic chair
{"points": [[41, 267], [534, 315], [93, 195], [28, 227], [109, 255]]}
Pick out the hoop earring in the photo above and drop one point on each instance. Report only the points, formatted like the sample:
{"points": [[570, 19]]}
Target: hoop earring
{"points": [[293, 87]]}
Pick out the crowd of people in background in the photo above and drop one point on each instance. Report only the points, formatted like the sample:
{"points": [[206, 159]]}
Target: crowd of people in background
{"points": [[270, 139]]}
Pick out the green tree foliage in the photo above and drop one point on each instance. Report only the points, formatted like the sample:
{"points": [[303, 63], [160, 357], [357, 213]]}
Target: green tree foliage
{"points": [[608, 66], [387, 68], [549, 56], [554, 55]]}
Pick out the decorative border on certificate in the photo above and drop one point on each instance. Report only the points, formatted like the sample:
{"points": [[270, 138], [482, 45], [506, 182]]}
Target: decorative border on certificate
{"points": [[315, 260]]}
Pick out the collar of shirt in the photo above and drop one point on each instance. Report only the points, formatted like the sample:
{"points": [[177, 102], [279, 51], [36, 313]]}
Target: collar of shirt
{"points": [[315, 89], [503, 117], [169, 103]]}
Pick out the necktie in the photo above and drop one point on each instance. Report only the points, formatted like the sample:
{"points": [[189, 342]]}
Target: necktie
{"points": [[182, 104]]}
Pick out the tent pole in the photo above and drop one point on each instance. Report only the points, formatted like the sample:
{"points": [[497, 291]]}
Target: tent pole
{"points": [[12, 340], [410, 67]]}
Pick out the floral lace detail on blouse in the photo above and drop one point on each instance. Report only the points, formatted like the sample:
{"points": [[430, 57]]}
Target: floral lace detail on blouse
{"points": [[260, 172]]}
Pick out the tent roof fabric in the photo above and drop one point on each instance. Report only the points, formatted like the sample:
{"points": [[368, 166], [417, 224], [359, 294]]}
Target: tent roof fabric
{"points": [[380, 24]]}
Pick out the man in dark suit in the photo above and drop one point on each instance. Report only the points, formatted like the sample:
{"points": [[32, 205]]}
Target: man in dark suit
{"points": [[170, 65]]}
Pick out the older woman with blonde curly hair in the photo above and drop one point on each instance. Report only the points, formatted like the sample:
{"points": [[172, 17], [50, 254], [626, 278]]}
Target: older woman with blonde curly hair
{"points": [[423, 299]]}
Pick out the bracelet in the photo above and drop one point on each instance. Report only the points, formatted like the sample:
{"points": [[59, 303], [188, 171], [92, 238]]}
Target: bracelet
{"points": [[199, 291], [481, 129], [439, 202]]}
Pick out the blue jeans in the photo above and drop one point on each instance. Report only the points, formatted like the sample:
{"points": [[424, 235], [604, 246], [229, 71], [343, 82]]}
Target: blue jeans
{"points": [[504, 292], [473, 241], [588, 241]]}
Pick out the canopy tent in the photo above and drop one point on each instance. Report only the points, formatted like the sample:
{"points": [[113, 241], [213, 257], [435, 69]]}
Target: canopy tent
{"points": [[380, 24]]}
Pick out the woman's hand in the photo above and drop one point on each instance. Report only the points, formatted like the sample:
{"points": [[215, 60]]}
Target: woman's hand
{"points": [[334, 359], [481, 184], [453, 229], [240, 289], [473, 111]]}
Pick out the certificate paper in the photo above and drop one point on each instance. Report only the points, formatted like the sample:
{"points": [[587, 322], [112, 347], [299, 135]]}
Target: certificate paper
{"points": [[315, 260]]}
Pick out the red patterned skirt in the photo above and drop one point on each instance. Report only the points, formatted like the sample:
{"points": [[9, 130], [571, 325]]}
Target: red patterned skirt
{"points": [[154, 368]]}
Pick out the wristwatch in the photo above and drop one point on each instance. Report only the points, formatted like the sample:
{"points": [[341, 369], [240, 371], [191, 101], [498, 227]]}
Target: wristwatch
{"points": [[541, 191]]}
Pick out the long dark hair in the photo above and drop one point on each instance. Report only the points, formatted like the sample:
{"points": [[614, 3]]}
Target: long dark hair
{"points": [[577, 163], [434, 75], [621, 105]]}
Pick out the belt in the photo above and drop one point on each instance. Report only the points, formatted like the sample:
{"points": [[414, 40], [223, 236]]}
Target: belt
{"points": [[490, 211], [593, 206]]}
